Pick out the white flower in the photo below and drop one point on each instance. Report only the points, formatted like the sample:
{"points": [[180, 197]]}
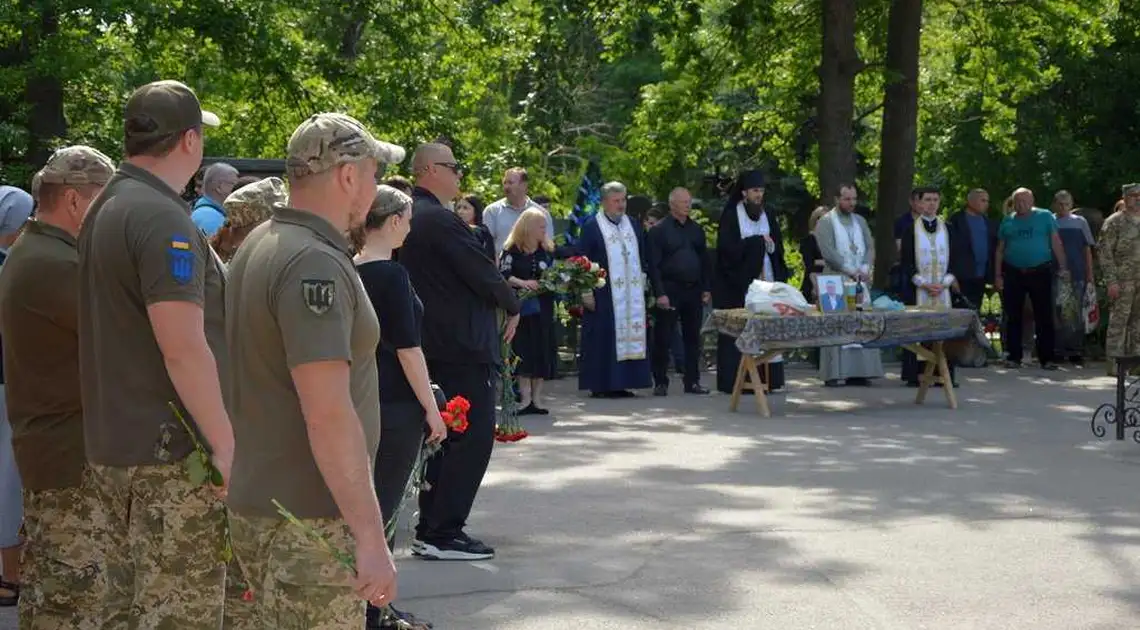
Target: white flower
{"points": [[595, 267], [542, 265], [565, 277], [601, 283]]}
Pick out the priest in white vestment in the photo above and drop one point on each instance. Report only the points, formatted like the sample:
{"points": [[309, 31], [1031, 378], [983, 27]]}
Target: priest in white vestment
{"points": [[924, 260], [614, 340], [848, 249]]}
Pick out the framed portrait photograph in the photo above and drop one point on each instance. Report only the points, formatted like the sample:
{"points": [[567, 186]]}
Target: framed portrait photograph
{"points": [[829, 292]]}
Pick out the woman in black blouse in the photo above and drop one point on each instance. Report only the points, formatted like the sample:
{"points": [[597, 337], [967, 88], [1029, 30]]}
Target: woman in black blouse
{"points": [[526, 254], [407, 403], [470, 209], [809, 251]]}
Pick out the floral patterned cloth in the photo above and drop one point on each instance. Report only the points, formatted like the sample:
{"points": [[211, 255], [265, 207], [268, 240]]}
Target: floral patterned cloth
{"points": [[756, 334]]}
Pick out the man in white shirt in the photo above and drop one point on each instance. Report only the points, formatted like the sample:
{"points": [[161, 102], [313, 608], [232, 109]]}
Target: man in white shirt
{"points": [[500, 216]]}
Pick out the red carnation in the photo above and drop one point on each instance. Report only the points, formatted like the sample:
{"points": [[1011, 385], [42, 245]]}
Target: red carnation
{"points": [[247, 596], [455, 414], [601, 273], [576, 311]]}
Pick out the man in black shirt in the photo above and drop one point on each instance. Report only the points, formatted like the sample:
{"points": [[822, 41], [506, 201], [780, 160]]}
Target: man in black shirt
{"points": [[461, 290], [679, 272]]}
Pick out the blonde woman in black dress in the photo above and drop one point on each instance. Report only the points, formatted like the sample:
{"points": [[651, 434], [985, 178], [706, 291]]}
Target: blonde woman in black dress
{"points": [[526, 254]]}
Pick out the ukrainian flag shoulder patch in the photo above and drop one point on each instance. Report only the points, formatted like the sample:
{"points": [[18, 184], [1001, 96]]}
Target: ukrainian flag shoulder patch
{"points": [[180, 259]]}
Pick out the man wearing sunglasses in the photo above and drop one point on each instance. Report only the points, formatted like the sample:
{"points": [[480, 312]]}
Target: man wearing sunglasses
{"points": [[461, 290]]}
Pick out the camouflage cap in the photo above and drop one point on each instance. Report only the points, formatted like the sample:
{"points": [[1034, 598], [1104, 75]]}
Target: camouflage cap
{"points": [[162, 108], [1127, 188], [327, 140], [253, 203], [74, 166]]}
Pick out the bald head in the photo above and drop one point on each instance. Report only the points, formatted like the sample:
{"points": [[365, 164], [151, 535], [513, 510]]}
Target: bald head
{"points": [[1022, 200], [680, 203], [427, 155], [437, 171], [219, 181]]}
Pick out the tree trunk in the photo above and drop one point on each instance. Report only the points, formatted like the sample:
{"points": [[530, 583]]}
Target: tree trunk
{"points": [[900, 130], [836, 108], [44, 96]]}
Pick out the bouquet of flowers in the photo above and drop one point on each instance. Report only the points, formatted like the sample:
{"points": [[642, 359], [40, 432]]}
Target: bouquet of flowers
{"points": [[508, 429], [577, 277]]}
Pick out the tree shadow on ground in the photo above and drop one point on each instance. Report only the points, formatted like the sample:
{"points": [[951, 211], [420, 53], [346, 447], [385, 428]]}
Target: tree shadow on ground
{"points": [[609, 495]]}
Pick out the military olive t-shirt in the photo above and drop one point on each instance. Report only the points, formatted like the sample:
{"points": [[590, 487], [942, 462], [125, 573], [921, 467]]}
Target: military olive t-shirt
{"points": [[294, 298], [38, 294], [139, 247]]}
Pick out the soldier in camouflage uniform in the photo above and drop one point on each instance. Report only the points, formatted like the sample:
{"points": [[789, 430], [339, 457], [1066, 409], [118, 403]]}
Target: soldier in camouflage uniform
{"points": [[63, 570], [306, 405], [152, 359], [246, 208], [1119, 252]]}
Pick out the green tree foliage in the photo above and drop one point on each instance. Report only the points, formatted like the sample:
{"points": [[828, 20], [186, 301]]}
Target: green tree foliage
{"points": [[662, 93]]}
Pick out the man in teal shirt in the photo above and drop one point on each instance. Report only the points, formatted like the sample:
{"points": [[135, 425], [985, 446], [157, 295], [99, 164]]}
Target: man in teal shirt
{"points": [[1028, 244]]}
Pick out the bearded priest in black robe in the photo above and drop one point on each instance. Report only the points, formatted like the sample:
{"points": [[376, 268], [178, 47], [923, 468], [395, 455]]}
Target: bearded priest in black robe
{"points": [[749, 247]]}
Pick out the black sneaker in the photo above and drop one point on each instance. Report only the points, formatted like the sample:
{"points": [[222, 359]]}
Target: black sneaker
{"points": [[389, 617], [696, 389], [460, 547], [661, 390]]}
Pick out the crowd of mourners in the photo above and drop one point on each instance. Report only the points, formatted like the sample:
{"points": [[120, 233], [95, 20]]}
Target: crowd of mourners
{"points": [[192, 391]]}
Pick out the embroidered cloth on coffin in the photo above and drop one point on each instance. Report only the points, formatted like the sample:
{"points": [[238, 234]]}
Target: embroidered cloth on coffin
{"points": [[756, 334]]}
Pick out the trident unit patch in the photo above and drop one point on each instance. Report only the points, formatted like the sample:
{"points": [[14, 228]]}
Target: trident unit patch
{"points": [[318, 295]]}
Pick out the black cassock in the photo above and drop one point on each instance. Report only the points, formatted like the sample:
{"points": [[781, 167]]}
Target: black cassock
{"points": [[739, 262]]}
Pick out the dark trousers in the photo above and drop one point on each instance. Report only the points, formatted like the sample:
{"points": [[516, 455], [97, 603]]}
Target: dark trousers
{"points": [[455, 473], [974, 290], [686, 307], [1037, 283], [401, 435]]}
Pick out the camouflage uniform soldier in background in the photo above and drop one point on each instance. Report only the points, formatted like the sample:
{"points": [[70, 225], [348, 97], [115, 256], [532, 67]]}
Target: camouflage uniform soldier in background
{"points": [[38, 306], [151, 335], [246, 208], [1119, 252], [305, 399]]}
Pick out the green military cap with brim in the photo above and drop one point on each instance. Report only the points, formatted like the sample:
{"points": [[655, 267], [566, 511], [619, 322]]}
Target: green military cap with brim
{"points": [[328, 140], [253, 203], [74, 166], [163, 108]]}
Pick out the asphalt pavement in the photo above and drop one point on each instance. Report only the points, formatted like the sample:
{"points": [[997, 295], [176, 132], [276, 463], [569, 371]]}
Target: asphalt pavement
{"points": [[851, 508]]}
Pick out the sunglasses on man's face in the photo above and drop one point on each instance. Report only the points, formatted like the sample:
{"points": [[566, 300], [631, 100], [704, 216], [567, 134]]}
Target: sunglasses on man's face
{"points": [[454, 166]]}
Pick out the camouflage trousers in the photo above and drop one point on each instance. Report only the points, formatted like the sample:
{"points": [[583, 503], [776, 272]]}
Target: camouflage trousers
{"points": [[163, 548], [1122, 336], [295, 583], [64, 581]]}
